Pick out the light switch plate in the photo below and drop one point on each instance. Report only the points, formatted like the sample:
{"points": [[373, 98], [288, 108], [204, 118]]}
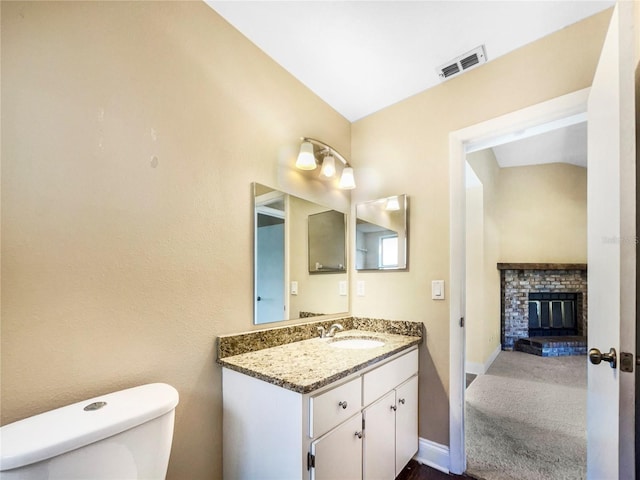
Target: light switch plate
{"points": [[360, 288], [342, 287], [437, 289], [294, 288]]}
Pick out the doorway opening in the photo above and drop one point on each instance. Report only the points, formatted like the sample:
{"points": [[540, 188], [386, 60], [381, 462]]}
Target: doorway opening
{"points": [[526, 237], [563, 111]]}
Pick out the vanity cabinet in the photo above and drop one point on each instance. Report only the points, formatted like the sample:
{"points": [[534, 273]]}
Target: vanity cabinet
{"points": [[391, 426], [363, 426]]}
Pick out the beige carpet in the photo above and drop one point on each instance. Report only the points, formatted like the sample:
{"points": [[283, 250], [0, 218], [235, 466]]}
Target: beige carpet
{"points": [[526, 418]]}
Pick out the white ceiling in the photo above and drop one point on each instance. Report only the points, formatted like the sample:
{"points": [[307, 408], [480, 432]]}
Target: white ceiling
{"points": [[564, 145], [362, 56]]}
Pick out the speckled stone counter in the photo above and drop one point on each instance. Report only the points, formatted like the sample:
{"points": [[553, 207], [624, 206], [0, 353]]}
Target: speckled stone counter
{"points": [[306, 364], [238, 343]]}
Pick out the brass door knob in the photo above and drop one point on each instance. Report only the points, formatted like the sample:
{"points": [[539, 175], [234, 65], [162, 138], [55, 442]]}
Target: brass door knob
{"points": [[596, 356]]}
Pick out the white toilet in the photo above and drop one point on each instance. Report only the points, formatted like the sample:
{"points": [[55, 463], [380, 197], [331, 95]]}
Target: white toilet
{"points": [[120, 436]]}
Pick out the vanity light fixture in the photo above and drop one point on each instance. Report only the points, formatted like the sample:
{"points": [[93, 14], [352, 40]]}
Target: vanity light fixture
{"points": [[347, 182], [328, 167], [307, 161]]}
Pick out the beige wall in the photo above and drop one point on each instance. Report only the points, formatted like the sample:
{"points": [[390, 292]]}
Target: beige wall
{"points": [[131, 133], [118, 271], [474, 279], [543, 214], [405, 149], [483, 253]]}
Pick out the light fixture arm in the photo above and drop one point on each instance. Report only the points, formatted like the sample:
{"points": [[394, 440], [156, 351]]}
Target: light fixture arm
{"points": [[327, 148]]}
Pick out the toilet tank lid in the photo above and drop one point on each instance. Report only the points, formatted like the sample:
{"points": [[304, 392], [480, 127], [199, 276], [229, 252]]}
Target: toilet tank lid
{"points": [[67, 428]]}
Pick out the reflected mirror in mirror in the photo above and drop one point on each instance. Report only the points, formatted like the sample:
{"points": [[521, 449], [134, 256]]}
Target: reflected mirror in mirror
{"points": [[284, 288], [327, 247], [382, 228]]}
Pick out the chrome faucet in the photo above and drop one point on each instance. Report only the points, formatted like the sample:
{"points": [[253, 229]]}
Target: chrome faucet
{"points": [[331, 332]]}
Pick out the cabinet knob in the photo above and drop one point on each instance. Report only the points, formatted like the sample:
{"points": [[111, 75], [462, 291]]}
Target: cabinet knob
{"points": [[343, 405], [401, 400], [394, 408], [358, 434]]}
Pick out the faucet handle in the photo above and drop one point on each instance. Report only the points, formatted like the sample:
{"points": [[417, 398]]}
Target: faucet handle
{"points": [[321, 331]]}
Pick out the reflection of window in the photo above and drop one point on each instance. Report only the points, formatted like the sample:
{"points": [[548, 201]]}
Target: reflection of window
{"points": [[389, 252]]}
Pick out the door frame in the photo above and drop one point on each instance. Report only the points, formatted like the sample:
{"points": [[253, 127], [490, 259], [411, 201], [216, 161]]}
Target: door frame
{"points": [[555, 113]]}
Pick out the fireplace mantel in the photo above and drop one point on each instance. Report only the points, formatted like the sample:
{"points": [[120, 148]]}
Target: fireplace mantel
{"points": [[542, 266]]}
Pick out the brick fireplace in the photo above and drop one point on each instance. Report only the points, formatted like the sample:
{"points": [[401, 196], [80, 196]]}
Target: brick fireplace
{"points": [[544, 300]]}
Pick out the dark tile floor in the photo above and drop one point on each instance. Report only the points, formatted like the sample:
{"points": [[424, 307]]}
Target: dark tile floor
{"points": [[416, 471]]}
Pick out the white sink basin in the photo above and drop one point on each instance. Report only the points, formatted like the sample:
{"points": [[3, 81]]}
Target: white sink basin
{"points": [[356, 343]]}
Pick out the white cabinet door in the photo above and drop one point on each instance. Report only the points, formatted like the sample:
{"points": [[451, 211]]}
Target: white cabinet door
{"points": [[406, 422], [338, 454], [379, 439]]}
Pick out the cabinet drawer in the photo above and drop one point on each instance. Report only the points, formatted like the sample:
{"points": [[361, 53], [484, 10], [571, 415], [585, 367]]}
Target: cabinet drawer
{"points": [[379, 381], [329, 408]]}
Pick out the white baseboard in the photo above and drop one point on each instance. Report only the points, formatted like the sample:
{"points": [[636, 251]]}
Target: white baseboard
{"points": [[481, 368], [433, 454]]}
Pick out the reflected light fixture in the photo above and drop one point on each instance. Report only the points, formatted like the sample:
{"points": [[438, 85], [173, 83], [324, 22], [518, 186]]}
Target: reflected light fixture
{"points": [[307, 161], [392, 204]]}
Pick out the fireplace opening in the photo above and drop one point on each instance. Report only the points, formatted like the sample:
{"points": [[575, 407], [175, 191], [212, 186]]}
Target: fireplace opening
{"points": [[552, 314]]}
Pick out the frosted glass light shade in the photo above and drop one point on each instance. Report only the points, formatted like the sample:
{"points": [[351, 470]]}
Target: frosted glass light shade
{"points": [[392, 204], [306, 159], [347, 181], [328, 166]]}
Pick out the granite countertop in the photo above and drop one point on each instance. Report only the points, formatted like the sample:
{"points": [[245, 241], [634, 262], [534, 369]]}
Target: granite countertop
{"points": [[306, 365]]}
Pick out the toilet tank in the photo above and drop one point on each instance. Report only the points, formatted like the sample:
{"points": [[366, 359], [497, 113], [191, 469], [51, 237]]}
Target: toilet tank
{"points": [[118, 436]]}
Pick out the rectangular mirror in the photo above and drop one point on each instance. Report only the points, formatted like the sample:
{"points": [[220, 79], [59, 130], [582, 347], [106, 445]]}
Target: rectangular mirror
{"points": [[382, 230], [327, 244], [284, 286]]}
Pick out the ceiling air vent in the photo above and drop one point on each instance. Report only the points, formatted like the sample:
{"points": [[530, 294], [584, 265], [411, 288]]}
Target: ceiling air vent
{"points": [[458, 65]]}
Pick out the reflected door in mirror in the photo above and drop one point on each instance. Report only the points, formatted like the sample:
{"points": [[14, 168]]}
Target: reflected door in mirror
{"points": [[270, 304], [270, 221]]}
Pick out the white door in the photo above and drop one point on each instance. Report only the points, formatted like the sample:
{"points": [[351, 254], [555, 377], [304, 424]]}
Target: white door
{"points": [[379, 439], [271, 301], [270, 306], [611, 251]]}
